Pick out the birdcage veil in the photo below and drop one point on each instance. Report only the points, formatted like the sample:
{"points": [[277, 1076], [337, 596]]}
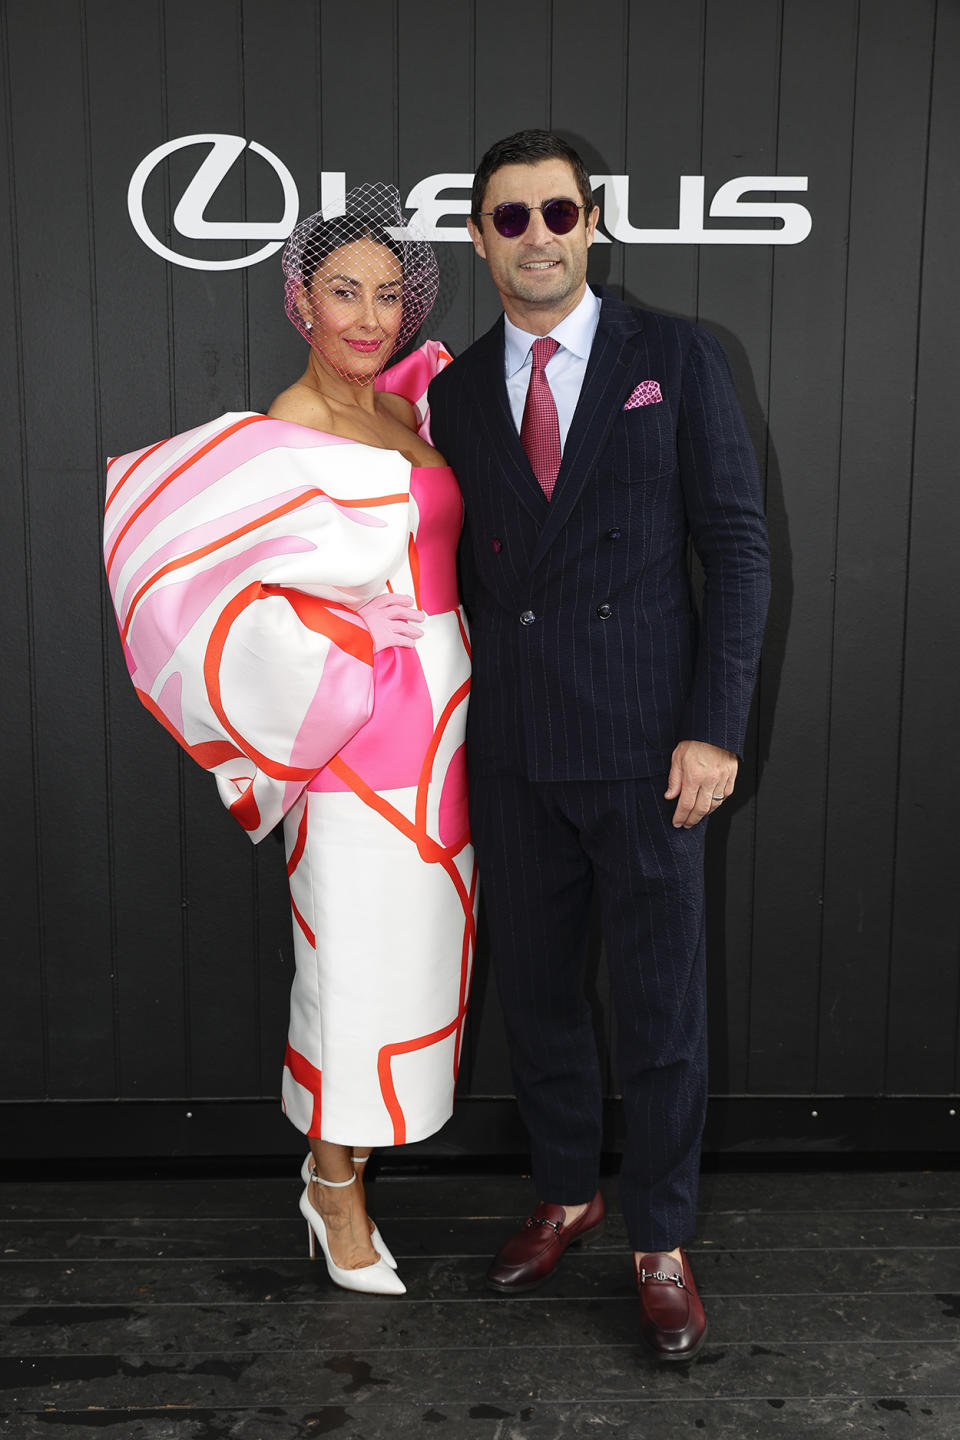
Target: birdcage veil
{"points": [[359, 274]]}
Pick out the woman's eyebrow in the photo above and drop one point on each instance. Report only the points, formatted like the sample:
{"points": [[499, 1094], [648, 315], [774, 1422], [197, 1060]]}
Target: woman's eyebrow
{"points": [[384, 284]]}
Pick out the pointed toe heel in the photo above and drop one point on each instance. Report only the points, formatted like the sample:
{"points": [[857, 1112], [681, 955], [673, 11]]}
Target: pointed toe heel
{"points": [[376, 1239], [375, 1279]]}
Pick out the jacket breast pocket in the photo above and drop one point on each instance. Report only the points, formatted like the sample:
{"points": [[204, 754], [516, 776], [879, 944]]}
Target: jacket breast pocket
{"points": [[644, 443]]}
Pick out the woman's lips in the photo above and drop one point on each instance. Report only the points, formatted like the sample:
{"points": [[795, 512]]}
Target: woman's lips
{"points": [[365, 347]]}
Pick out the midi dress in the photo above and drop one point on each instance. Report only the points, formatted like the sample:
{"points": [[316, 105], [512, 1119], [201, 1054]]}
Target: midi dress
{"points": [[238, 555]]}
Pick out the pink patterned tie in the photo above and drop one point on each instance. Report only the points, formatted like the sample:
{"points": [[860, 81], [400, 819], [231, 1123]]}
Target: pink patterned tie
{"points": [[539, 431]]}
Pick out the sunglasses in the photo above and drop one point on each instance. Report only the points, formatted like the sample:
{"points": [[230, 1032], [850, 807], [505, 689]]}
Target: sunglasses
{"points": [[512, 219]]}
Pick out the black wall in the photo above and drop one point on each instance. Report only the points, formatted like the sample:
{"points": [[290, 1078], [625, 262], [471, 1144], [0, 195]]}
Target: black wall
{"points": [[146, 945]]}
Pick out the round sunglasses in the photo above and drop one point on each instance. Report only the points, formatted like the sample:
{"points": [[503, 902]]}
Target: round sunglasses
{"points": [[512, 219]]}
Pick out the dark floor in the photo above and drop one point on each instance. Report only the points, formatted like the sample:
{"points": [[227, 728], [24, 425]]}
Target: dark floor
{"points": [[187, 1308]]}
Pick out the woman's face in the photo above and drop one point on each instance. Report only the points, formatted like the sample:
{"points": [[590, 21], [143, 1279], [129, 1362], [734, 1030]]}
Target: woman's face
{"points": [[355, 308]]}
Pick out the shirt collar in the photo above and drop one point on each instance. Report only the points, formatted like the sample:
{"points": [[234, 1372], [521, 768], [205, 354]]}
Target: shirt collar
{"points": [[575, 332]]}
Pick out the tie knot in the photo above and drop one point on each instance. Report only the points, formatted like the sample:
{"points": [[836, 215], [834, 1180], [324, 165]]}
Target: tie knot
{"points": [[543, 349]]}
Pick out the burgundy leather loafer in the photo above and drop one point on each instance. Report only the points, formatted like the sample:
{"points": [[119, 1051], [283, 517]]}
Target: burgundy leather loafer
{"points": [[530, 1255], [672, 1321]]}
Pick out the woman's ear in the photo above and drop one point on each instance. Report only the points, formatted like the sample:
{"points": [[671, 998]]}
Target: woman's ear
{"points": [[304, 308]]}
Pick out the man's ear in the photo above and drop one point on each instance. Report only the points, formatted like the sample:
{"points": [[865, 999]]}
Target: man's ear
{"points": [[476, 235], [592, 219]]}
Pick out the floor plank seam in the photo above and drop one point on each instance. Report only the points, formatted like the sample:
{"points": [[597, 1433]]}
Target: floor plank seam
{"points": [[479, 1299], [228, 1350], [296, 1403]]}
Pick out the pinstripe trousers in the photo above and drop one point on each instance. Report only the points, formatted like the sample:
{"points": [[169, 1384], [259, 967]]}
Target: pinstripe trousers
{"points": [[542, 846]]}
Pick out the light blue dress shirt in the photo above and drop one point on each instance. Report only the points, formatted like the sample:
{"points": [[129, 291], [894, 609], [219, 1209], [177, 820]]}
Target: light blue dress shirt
{"points": [[564, 370]]}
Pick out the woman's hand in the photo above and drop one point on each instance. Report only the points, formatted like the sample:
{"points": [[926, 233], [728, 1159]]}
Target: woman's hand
{"points": [[392, 620]]}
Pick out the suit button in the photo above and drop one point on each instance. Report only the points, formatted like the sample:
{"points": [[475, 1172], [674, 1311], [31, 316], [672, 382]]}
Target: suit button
{"points": [[495, 545], [604, 611], [527, 617], [614, 533]]}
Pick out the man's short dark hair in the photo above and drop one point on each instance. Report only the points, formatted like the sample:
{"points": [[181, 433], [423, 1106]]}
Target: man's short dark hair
{"points": [[528, 147]]}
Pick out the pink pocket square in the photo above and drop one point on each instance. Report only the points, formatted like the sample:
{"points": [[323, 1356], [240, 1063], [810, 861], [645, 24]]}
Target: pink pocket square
{"points": [[646, 393]]}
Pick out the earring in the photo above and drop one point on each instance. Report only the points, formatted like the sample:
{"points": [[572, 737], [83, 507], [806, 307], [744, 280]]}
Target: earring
{"points": [[309, 324]]}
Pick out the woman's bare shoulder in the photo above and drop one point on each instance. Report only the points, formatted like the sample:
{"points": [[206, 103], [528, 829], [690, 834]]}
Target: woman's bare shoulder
{"points": [[301, 405]]}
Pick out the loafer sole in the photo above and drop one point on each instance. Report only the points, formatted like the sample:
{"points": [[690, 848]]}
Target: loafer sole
{"points": [[523, 1287], [679, 1357]]}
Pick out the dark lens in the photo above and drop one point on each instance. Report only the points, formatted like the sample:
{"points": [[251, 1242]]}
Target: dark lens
{"points": [[560, 216], [511, 220]]}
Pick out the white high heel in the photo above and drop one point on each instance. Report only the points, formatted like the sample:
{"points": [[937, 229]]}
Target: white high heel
{"points": [[376, 1239], [375, 1279]]}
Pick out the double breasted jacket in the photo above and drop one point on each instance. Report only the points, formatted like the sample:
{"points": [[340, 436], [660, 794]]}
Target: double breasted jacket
{"points": [[591, 658]]}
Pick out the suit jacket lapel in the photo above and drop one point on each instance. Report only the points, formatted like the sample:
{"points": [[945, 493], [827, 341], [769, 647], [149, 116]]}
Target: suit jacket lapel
{"points": [[497, 423], [606, 385]]}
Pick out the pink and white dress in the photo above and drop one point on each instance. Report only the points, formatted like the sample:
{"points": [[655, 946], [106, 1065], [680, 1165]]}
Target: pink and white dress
{"points": [[238, 555]]}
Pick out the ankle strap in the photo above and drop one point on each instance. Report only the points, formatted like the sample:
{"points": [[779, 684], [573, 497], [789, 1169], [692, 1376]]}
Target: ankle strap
{"points": [[359, 1159], [332, 1184]]}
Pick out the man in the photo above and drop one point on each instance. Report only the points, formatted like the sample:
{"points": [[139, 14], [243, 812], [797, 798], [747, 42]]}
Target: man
{"points": [[591, 441]]}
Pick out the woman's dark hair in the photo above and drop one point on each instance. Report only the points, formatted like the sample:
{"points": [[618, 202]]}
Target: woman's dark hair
{"points": [[328, 235], [528, 147]]}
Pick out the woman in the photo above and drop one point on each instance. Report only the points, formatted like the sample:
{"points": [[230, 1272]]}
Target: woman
{"points": [[286, 592]]}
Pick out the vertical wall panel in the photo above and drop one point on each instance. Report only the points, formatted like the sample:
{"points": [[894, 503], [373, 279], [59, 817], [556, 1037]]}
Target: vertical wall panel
{"points": [[358, 54], [891, 119], [923, 1051], [664, 139], [125, 81], [22, 1017], [56, 310], [802, 464], [435, 119], [740, 110]]}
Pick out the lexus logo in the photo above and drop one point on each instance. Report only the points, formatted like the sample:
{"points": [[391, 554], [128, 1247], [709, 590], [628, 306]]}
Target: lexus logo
{"points": [[188, 219], [770, 221]]}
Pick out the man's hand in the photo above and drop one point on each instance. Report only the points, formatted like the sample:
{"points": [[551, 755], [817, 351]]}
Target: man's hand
{"points": [[702, 776]]}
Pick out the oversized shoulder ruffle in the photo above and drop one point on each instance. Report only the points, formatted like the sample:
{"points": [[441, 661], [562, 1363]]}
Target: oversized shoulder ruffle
{"points": [[237, 555]]}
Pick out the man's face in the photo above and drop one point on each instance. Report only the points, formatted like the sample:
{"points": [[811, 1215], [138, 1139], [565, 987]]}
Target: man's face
{"points": [[536, 268]]}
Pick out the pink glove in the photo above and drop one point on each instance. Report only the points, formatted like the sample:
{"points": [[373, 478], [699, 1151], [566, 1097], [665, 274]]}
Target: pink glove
{"points": [[390, 620]]}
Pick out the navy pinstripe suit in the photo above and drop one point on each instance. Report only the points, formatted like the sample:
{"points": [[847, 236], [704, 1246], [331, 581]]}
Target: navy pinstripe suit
{"points": [[590, 664]]}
